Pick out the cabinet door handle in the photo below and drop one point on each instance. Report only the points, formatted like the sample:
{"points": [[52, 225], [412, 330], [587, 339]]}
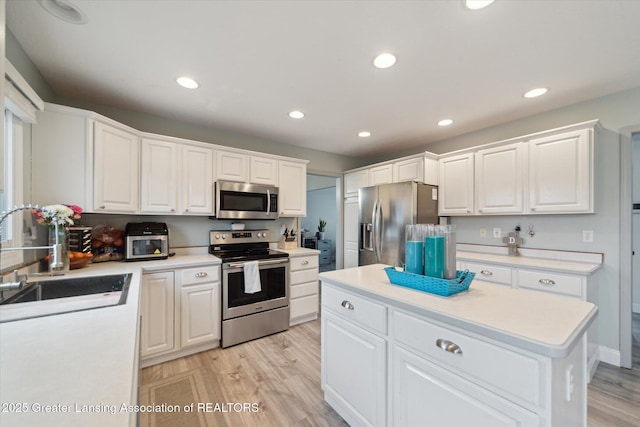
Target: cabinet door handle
{"points": [[346, 304], [449, 346], [305, 262], [486, 272], [101, 207], [547, 282], [201, 274]]}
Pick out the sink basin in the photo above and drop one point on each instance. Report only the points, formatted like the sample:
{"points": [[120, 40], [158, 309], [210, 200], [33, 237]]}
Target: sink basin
{"points": [[49, 297]]}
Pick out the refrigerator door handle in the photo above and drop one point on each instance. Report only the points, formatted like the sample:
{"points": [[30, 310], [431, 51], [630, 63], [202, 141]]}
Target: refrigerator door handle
{"points": [[380, 219], [377, 232], [374, 236]]}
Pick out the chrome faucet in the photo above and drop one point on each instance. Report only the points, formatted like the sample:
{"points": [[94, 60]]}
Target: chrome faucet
{"points": [[56, 256]]}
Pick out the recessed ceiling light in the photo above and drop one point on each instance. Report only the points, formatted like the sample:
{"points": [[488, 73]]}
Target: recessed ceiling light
{"points": [[535, 92], [63, 9], [384, 60], [187, 82], [477, 4], [296, 114], [364, 134], [445, 122]]}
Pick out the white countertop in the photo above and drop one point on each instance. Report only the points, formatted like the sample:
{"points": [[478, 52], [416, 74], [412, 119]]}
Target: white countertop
{"points": [[546, 324], [80, 358], [298, 252]]}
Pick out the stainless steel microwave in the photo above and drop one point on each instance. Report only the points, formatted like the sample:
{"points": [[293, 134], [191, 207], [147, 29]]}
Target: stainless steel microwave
{"points": [[237, 200]]}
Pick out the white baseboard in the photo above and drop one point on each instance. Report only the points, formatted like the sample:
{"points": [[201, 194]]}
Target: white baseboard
{"points": [[636, 307], [609, 356]]}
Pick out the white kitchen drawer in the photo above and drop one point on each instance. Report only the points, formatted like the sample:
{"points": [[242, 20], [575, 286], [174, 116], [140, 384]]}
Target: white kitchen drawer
{"points": [[489, 273], [304, 289], [303, 262], [194, 275], [303, 306], [556, 283], [303, 276], [506, 371], [367, 313]]}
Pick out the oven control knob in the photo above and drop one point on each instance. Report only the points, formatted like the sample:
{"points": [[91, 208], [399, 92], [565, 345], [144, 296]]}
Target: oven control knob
{"points": [[259, 234], [224, 236], [217, 236]]}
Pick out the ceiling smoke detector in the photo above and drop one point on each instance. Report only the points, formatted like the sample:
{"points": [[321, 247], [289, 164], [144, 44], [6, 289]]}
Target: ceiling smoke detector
{"points": [[65, 10]]}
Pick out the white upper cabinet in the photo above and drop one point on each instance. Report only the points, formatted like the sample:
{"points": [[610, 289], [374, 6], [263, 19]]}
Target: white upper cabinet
{"points": [[499, 179], [381, 174], [263, 170], [116, 174], [232, 166], [409, 170], [353, 181], [456, 185], [351, 231], [561, 173], [197, 179], [159, 176], [292, 198]]}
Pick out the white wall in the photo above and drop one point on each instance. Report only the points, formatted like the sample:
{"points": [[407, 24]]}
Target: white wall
{"points": [[322, 204], [636, 222]]}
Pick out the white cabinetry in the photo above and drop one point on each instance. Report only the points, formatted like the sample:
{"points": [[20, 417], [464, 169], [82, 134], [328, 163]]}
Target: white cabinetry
{"points": [[180, 311], [353, 181], [197, 179], [303, 282], [351, 232], [354, 357], [116, 169], [456, 185], [408, 170], [499, 179], [159, 176], [381, 174], [292, 199], [263, 170], [200, 298], [157, 313], [232, 166], [561, 173], [379, 359]]}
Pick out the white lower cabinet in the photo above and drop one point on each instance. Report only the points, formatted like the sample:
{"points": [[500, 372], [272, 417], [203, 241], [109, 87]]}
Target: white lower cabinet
{"points": [[353, 365], [157, 312], [303, 288], [385, 366], [180, 311], [426, 394], [351, 232]]}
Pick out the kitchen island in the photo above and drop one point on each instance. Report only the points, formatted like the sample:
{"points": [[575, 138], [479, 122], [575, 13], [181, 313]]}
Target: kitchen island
{"points": [[80, 368], [490, 356]]}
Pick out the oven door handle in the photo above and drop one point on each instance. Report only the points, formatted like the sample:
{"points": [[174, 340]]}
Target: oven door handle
{"points": [[260, 263]]}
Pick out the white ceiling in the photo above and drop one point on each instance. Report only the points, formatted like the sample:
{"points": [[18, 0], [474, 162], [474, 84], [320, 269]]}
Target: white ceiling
{"points": [[257, 60]]}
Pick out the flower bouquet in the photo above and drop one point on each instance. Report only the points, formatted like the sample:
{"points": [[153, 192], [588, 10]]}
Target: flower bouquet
{"points": [[61, 215]]}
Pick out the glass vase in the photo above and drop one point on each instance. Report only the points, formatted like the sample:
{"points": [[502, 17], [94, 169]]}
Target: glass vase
{"points": [[60, 237]]}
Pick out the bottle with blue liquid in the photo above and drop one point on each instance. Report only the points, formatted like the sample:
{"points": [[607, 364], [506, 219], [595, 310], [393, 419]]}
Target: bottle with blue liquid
{"points": [[434, 252], [414, 249]]}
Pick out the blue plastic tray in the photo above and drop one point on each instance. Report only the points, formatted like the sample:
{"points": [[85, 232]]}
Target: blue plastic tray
{"points": [[431, 285]]}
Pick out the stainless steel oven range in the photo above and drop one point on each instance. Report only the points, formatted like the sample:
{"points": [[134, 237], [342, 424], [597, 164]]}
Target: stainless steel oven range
{"points": [[255, 285]]}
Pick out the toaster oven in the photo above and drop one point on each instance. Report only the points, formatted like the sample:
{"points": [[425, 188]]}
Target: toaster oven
{"points": [[146, 240]]}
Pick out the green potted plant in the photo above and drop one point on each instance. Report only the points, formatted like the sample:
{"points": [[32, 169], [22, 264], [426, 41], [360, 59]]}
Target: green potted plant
{"points": [[321, 227]]}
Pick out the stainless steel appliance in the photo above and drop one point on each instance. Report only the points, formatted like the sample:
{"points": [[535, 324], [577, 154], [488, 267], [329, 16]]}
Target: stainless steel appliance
{"points": [[236, 200], [146, 240], [384, 210], [247, 315]]}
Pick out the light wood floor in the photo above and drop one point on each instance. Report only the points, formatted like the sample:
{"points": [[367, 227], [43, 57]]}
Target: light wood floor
{"points": [[282, 374]]}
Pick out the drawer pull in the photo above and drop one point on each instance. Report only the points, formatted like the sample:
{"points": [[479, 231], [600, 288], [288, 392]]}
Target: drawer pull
{"points": [[305, 262], [201, 274], [346, 304], [486, 272], [449, 346], [547, 282]]}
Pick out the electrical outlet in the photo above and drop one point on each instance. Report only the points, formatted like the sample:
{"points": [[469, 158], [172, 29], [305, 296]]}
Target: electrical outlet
{"points": [[497, 233], [483, 232], [587, 236]]}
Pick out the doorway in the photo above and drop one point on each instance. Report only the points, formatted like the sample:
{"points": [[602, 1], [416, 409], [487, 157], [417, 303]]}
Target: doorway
{"points": [[630, 247], [323, 204]]}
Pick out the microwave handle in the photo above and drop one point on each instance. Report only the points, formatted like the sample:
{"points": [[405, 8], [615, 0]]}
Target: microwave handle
{"points": [[268, 201]]}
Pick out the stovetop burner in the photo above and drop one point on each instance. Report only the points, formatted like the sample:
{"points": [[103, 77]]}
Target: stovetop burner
{"points": [[248, 245]]}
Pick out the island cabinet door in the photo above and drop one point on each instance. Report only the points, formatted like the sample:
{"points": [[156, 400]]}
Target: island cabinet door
{"points": [[354, 372], [424, 394]]}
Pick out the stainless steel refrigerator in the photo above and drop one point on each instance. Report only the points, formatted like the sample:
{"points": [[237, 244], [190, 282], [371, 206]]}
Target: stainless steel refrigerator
{"points": [[384, 210]]}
